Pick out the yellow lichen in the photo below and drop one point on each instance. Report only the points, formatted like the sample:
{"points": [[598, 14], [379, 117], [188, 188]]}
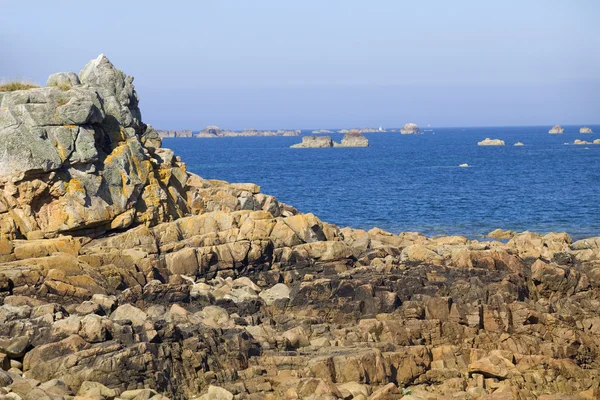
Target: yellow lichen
{"points": [[74, 185]]}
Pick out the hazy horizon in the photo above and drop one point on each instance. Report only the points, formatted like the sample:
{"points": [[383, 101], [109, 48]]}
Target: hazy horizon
{"points": [[343, 63]]}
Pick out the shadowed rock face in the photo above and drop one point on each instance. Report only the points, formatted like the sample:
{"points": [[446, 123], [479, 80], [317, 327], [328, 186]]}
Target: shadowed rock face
{"points": [[243, 297]]}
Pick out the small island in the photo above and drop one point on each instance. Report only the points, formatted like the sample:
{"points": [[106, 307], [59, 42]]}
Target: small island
{"points": [[410, 129], [321, 131], [213, 131], [351, 139], [557, 130], [585, 129], [491, 142], [577, 141], [175, 134], [519, 144]]}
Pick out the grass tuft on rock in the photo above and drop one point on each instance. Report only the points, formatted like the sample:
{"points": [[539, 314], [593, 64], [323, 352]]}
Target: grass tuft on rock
{"points": [[16, 85], [64, 86]]}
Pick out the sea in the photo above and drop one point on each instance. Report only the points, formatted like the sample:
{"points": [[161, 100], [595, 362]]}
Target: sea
{"points": [[415, 183]]}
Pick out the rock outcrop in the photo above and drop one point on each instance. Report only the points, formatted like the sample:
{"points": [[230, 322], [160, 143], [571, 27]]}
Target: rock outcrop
{"points": [[245, 298], [410, 129], [78, 158], [578, 141], [353, 139], [350, 139], [556, 130], [288, 132], [585, 129], [216, 132], [176, 134], [519, 144], [320, 131], [491, 142], [314, 142]]}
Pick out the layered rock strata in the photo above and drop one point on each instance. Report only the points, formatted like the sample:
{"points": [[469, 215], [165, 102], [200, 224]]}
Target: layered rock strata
{"points": [[242, 297]]}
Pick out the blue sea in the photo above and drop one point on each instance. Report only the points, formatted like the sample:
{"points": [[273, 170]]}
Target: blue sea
{"points": [[414, 182]]}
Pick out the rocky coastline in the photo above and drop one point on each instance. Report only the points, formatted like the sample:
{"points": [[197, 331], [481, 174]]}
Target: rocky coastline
{"points": [[124, 276]]}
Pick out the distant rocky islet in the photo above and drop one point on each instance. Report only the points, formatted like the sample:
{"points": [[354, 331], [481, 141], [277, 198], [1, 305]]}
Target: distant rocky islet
{"points": [[350, 139]]}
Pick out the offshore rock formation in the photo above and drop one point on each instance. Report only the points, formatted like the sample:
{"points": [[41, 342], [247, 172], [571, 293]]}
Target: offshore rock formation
{"points": [[175, 134], [410, 129], [353, 139], [578, 141], [286, 132], [245, 298], [319, 131], [313, 142], [350, 139], [215, 132], [557, 130], [519, 144], [362, 130], [585, 129], [491, 142]]}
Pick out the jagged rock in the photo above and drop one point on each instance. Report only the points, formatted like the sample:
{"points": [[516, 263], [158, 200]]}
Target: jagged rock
{"points": [[127, 312], [278, 292], [585, 129], [556, 129], [78, 152]]}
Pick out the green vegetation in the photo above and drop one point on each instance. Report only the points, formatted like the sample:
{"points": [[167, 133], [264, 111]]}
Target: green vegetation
{"points": [[61, 102], [16, 85]]}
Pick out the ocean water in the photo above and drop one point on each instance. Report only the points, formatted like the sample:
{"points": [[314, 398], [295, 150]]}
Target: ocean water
{"points": [[414, 182]]}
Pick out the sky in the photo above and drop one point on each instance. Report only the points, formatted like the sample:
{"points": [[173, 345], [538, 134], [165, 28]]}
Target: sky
{"points": [[270, 64]]}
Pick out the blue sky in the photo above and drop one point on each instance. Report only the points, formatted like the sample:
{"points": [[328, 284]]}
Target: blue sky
{"points": [[271, 64]]}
